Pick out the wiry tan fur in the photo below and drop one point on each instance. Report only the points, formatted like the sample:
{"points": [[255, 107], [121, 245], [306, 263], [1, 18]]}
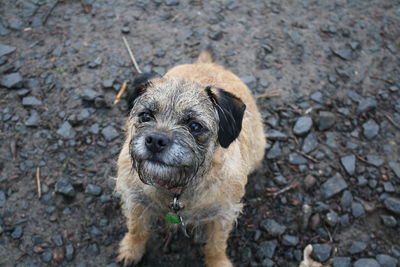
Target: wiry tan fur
{"points": [[216, 199]]}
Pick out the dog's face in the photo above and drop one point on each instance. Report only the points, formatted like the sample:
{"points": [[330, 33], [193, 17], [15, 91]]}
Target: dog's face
{"points": [[175, 126]]}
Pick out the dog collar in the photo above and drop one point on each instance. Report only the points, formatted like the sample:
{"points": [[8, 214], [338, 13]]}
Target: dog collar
{"points": [[173, 215]]}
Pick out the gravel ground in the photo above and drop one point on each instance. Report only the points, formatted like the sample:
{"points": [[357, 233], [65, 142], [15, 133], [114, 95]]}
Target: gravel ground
{"points": [[331, 175]]}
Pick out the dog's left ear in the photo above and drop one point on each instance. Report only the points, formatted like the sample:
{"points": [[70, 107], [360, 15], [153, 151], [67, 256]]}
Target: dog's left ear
{"points": [[230, 111], [138, 87]]}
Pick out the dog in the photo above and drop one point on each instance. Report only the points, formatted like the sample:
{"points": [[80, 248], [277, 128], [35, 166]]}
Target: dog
{"points": [[193, 136]]}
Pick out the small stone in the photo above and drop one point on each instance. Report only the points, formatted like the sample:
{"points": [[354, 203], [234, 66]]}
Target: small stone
{"points": [[370, 129], [386, 260], [326, 120], [388, 187], [6, 49], [89, 94], [310, 143], [349, 164], [345, 53], [309, 181], [250, 81], [341, 262], [272, 227], [33, 119], [64, 187], [2, 199], [395, 166], [321, 252], [392, 204], [302, 126], [109, 133], [31, 101], [12, 80], [93, 190], [66, 131], [297, 159], [277, 135], [94, 129], [346, 200], [290, 240], [317, 97], [389, 221], [375, 160], [69, 252], [171, 2], [125, 30], [216, 36], [108, 83], [17, 233], [58, 241], [331, 218], [266, 249], [357, 209], [280, 180], [275, 151], [333, 185], [46, 256], [366, 104], [366, 263], [93, 249], [357, 247]]}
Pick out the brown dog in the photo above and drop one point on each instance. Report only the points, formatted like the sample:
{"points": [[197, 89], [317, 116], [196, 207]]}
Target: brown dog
{"points": [[193, 137]]}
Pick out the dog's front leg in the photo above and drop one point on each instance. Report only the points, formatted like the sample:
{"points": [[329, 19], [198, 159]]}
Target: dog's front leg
{"points": [[215, 248], [133, 245]]}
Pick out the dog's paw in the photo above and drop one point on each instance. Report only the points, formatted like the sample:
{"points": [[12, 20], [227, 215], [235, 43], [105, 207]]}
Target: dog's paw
{"points": [[130, 252]]}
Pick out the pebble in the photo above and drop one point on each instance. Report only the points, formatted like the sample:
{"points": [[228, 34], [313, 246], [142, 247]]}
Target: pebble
{"points": [[250, 81], [331, 218], [6, 50], [366, 263], [290, 240], [277, 135], [272, 227], [69, 252], [302, 126], [310, 143], [109, 133], [12, 80], [357, 247], [333, 186], [171, 2], [46, 256], [392, 204], [309, 181], [370, 129], [108, 83], [93, 190], [66, 131], [317, 97], [326, 120], [89, 94], [349, 164], [64, 187], [266, 249], [17, 233], [375, 160], [275, 151], [388, 187], [366, 104], [125, 30], [321, 252], [297, 159], [31, 101], [93, 249], [386, 260], [357, 209], [395, 166], [341, 262], [345, 53], [33, 119], [389, 221], [346, 200], [57, 239], [2, 199], [215, 35]]}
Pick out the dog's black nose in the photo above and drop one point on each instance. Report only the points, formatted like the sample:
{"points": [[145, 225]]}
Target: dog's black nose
{"points": [[156, 142]]}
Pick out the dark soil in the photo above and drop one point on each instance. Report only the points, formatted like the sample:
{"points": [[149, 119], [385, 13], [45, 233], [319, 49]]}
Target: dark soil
{"points": [[335, 62]]}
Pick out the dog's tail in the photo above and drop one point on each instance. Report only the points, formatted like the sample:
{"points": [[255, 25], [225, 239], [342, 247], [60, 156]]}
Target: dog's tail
{"points": [[206, 56]]}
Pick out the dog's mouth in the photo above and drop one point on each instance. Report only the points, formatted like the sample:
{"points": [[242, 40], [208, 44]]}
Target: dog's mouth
{"points": [[164, 176]]}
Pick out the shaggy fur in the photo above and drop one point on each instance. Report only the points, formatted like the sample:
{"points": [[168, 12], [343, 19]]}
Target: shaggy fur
{"points": [[210, 169]]}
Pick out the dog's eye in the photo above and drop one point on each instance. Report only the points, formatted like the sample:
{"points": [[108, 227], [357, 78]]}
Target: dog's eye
{"points": [[145, 117], [195, 127]]}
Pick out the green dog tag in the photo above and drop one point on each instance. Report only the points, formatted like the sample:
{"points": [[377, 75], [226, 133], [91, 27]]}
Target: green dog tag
{"points": [[172, 218]]}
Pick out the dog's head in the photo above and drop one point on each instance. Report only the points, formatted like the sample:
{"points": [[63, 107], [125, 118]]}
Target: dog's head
{"points": [[175, 127]]}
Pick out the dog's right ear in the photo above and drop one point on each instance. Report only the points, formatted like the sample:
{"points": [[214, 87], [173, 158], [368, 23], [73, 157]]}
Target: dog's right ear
{"points": [[138, 87]]}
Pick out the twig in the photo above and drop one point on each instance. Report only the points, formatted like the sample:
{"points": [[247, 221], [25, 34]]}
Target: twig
{"points": [[131, 55], [270, 94], [38, 183], [121, 92], [46, 17], [391, 120], [307, 156], [285, 189], [382, 79]]}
